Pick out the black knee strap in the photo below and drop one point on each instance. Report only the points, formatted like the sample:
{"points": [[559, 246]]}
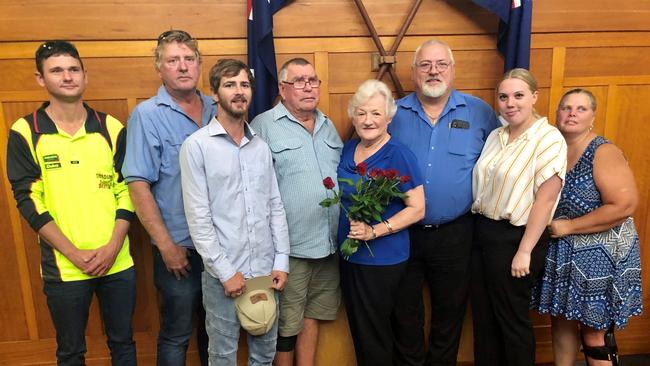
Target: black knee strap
{"points": [[607, 352], [286, 344]]}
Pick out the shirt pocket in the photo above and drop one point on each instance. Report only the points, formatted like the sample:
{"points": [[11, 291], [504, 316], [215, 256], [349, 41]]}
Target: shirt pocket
{"points": [[170, 152], [459, 140], [288, 155], [333, 153]]}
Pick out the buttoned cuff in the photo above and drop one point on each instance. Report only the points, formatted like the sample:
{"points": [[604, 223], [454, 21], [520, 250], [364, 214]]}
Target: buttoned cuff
{"points": [[281, 262]]}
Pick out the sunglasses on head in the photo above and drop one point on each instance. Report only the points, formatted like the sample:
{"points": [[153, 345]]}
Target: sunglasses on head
{"points": [[173, 32]]}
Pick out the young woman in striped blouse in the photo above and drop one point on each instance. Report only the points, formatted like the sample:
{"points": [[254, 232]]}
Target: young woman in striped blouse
{"points": [[516, 185]]}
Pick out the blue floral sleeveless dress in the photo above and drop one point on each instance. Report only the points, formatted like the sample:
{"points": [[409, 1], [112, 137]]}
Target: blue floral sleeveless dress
{"points": [[588, 278]]}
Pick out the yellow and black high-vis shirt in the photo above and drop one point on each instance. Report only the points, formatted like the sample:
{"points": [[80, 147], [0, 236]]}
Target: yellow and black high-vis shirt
{"points": [[73, 180]]}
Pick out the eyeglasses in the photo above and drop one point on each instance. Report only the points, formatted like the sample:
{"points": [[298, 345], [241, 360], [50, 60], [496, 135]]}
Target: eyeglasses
{"points": [[301, 84], [173, 33], [425, 67]]}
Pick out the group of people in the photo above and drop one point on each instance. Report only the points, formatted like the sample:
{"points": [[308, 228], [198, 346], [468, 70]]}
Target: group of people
{"points": [[226, 202]]}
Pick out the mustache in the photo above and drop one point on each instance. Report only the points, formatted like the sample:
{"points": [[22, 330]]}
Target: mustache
{"points": [[240, 98]]}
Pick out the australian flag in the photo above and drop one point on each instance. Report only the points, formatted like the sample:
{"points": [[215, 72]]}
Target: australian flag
{"points": [[513, 40], [261, 53]]}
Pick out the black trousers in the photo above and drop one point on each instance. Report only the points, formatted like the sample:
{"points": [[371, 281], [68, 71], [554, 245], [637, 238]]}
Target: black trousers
{"points": [[441, 256], [370, 294], [503, 331]]}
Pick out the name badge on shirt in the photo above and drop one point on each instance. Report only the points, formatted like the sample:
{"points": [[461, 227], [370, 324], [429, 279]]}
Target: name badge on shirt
{"points": [[51, 161], [458, 123]]}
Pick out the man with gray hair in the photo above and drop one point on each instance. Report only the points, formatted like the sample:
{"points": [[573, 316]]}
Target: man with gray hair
{"points": [[306, 149], [156, 129], [446, 129]]}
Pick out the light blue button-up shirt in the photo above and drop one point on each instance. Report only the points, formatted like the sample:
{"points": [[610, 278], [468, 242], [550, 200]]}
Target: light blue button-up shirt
{"points": [[302, 160], [155, 132], [232, 204], [446, 151]]}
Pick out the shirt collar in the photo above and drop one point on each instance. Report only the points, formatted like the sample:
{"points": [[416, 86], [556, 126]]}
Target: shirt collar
{"points": [[43, 124], [504, 132], [164, 98], [280, 111], [412, 102], [216, 129]]}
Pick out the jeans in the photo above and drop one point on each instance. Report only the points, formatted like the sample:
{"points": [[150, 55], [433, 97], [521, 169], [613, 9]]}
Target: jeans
{"points": [[180, 300], [223, 329], [69, 303]]}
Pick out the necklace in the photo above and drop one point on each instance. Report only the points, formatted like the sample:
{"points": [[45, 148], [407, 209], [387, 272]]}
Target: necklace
{"points": [[362, 152]]}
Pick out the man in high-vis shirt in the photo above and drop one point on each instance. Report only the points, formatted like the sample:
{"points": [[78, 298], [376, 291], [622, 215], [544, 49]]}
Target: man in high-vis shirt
{"points": [[63, 162]]}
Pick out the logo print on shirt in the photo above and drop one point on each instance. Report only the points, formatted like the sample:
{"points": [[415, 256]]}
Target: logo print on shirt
{"points": [[51, 161]]}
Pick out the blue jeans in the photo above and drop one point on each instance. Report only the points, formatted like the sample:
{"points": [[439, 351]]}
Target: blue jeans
{"points": [[69, 303], [180, 300], [223, 328]]}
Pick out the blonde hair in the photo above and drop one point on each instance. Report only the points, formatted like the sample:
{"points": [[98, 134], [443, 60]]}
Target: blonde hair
{"points": [[525, 76], [592, 98]]}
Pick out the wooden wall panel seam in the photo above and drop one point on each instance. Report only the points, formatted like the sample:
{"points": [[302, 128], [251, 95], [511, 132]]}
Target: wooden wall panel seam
{"points": [[321, 64], [611, 117], [607, 80], [557, 77]]}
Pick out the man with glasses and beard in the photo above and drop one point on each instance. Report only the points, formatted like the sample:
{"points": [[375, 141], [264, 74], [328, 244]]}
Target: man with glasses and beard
{"points": [[446, 129], [235, 216], [306, 149], [156, 129]]}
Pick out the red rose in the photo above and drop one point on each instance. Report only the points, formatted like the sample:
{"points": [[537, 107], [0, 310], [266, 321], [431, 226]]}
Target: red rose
{"points": [[404, 179], [362, 168], [328, 183], [375, 173], [391, 173]]}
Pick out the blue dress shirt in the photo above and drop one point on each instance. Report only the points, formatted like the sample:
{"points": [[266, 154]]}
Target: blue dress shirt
{"points": [[233, 204], [446, 151], [155, 132]]}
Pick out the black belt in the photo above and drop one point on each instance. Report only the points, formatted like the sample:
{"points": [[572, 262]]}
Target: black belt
{"points": [[434, 227]]}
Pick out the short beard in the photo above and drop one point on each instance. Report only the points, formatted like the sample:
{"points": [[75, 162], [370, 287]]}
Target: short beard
{"points": [[434, 91], [225, 106]]}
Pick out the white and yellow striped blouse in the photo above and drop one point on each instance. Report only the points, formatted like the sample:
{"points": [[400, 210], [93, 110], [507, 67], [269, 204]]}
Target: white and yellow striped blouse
{"points": [[507, 175]]}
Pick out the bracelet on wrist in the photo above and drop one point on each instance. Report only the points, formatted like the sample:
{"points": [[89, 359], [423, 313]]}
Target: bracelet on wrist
{"points": [[388, 226]]}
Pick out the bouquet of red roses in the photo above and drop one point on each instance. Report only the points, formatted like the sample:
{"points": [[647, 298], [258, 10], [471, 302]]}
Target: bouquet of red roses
{"points": [[374, 191]]}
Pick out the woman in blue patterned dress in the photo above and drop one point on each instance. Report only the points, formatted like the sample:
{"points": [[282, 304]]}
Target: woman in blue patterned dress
{"points": [[592, 279]]}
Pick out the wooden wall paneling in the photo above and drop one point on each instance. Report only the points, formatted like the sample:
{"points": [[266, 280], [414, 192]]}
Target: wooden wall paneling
{"points": [[117, 108], [321, 64], [612, 116], [632, 136], [607, 61], [542, 106], [541, 61], [301, 19], [558, 16], [339, 115], [557, 76], [50, 20], [22, 233], [17, 318], [590, 39]]}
